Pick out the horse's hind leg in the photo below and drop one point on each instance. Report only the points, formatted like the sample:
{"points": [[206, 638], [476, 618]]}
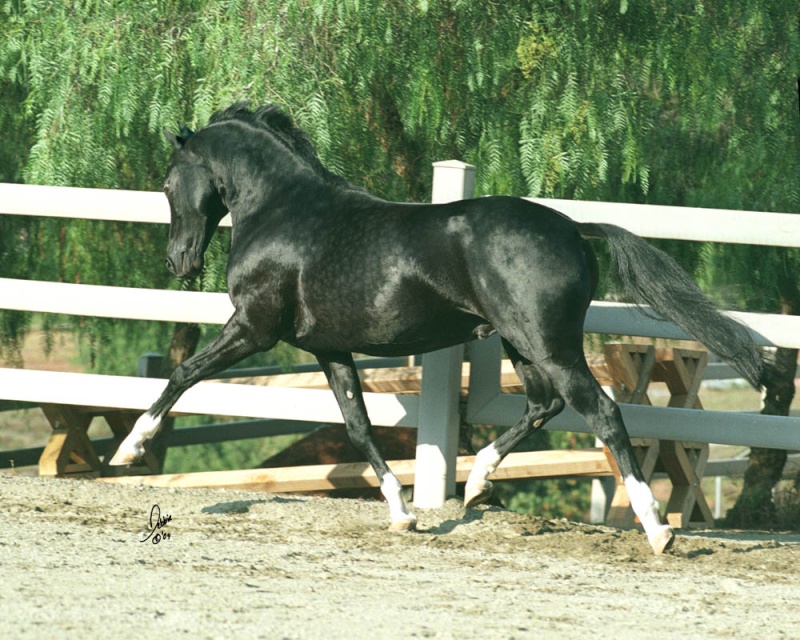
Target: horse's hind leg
{"points": [[543, 404], [582, 392], [235, 342], [343, 379]]}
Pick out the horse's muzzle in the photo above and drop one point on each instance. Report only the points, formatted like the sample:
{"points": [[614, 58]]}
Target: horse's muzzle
{"points": [[184, 264]]}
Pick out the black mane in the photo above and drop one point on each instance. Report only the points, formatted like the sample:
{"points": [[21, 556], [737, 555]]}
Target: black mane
{"points": [[271, 119]]}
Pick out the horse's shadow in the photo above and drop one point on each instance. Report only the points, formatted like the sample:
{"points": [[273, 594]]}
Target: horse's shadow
{"points": [[448, 526], [243, 506]]}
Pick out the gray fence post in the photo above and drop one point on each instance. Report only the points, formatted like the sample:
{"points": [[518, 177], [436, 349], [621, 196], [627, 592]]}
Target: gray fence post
{"points": [[150, 365], [437, 433]]}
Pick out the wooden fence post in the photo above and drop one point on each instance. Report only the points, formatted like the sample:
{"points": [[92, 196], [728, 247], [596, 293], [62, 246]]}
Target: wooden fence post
{"points": [[437, 433]]}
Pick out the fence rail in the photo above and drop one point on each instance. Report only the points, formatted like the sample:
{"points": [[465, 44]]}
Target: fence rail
{"points": [[687, 223]]}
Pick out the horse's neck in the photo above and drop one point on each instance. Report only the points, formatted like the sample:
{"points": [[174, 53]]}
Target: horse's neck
{"points": [[258, 196], [270, 182]]}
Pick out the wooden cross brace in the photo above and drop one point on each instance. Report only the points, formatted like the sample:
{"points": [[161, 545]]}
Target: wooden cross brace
{"points": [[70, 453], [632, 368]]}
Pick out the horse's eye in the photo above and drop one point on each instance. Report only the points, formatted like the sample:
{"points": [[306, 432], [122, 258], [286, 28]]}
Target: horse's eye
{"points": [[166, 188]]}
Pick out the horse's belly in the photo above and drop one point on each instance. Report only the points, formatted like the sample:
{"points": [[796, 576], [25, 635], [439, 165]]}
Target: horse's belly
{"points": [[407, 345], [393, 336]]}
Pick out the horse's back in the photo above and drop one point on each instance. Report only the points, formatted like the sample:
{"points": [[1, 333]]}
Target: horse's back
{"points": [[502, 244], [481, 231]]}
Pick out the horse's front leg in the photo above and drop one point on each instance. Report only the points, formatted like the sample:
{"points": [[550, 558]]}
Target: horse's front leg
{"points": [[235, 342], [342, 376]]}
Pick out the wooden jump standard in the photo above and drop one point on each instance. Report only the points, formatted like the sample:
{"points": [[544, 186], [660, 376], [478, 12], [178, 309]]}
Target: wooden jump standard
{"points": [[633, 368]]}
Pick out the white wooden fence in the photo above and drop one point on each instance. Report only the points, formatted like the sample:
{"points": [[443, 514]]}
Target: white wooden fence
{"points": [[435, 413]]}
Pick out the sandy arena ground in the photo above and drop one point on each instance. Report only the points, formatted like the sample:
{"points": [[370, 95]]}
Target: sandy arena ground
{"points": [[254, 565]]}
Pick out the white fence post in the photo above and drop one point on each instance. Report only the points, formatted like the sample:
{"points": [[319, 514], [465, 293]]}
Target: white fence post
{"points": [[437, 433]]}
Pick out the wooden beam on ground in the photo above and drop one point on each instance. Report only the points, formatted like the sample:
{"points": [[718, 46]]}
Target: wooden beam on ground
{"points": [[406, 380], [527, 464]]}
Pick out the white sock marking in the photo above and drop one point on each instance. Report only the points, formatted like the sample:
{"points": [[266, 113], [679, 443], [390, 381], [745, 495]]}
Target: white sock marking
{"points": [[485, 463], [145, 428], [132, 447], [391, 488], [644, 506], [478, 486]]}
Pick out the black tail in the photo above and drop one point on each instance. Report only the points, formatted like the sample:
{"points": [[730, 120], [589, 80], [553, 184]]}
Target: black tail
{"points": [[652, 277]]}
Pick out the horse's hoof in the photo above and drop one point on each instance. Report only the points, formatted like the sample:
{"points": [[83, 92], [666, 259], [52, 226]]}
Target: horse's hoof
{"points": [[126, 456], [662, 540], [406, 524], [477, 493]]}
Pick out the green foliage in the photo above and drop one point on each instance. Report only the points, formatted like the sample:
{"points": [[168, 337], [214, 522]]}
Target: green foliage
{"points": [[671, 97]]}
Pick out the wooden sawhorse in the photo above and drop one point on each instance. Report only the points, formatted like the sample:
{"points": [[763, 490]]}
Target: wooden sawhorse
{"points": [[70, 453], [632, 368]]}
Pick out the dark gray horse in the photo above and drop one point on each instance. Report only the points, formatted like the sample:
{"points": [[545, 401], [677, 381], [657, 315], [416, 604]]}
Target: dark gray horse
{"points": [[325, 266]]}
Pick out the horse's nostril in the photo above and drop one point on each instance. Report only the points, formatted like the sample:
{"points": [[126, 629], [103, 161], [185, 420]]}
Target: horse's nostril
{"points": [[170, 264]]}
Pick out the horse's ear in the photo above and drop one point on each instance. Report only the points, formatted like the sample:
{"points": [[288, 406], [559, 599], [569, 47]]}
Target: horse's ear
{"points": [[177, 140]]}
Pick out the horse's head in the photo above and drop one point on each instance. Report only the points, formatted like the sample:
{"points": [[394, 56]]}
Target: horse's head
{"points": [[195, 203]]}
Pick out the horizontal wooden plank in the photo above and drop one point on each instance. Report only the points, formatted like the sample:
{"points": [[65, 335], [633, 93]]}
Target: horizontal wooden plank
{"points": [[205, 398], [629, 320], [687, 223], [590, 462], [736, 467], [405, 380], [186, 436], [527, 464], [651, 221], [88, 204], [92, 204], [115, 302]]}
